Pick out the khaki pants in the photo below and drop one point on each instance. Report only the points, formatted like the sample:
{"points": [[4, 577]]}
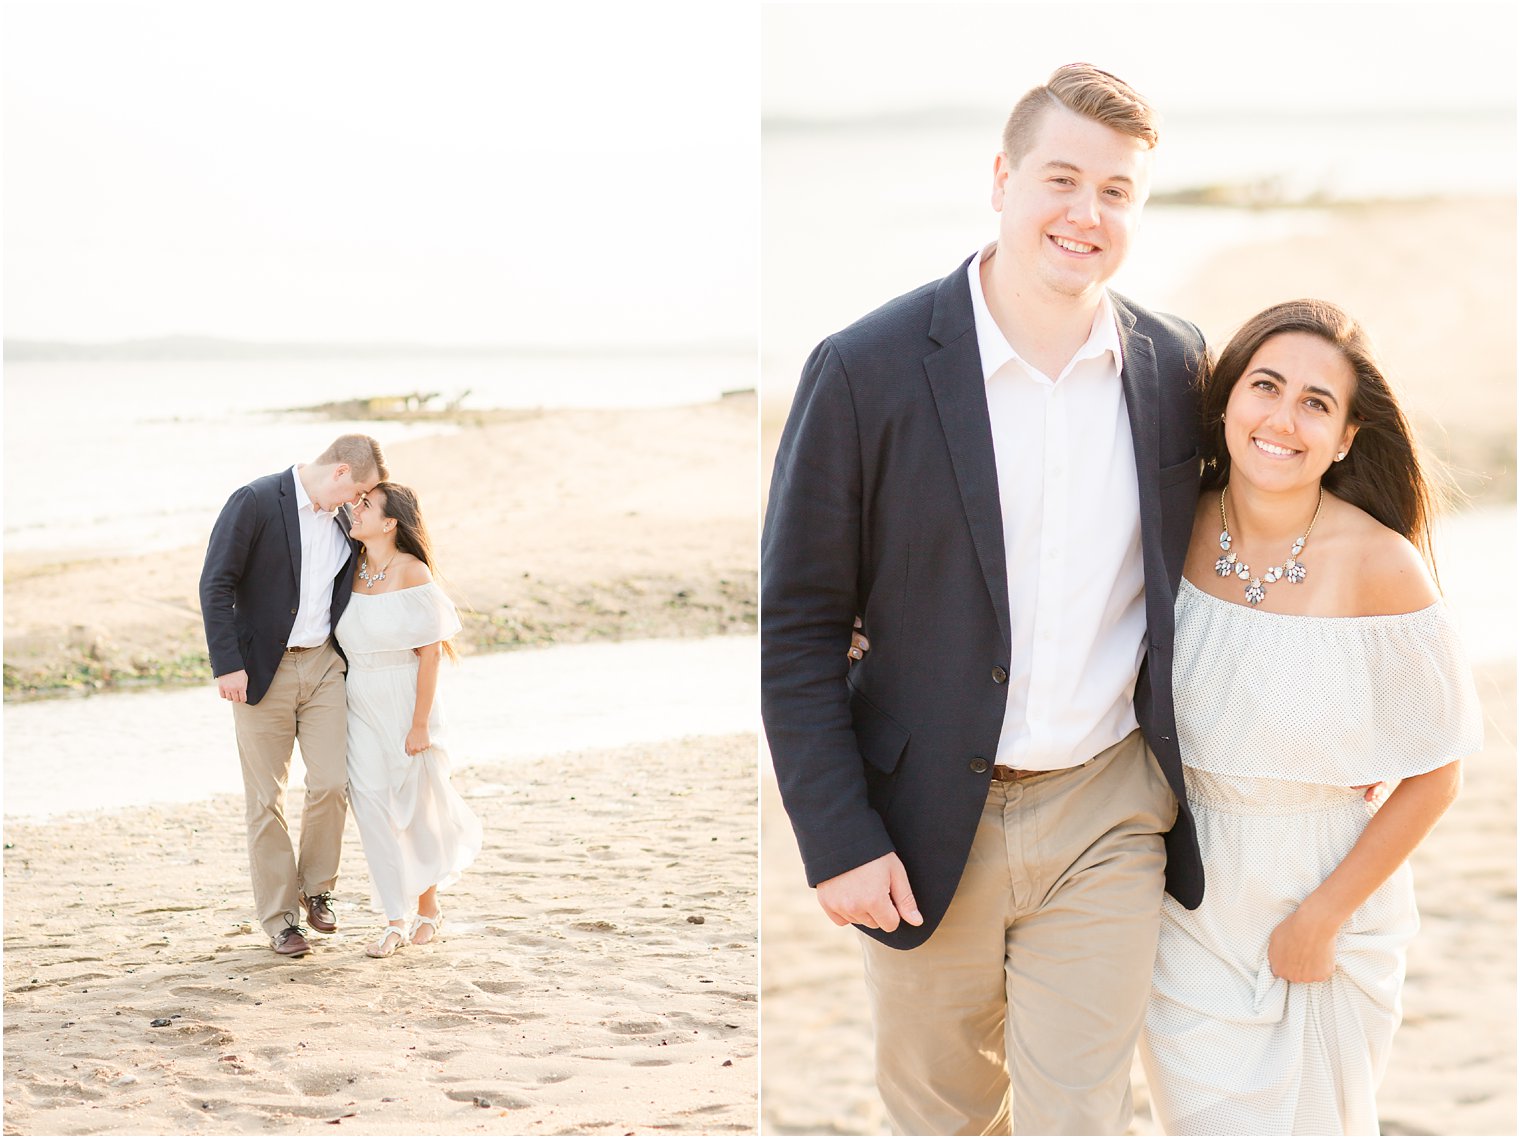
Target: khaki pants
{"points": [[1035, 983], [305, 702]]}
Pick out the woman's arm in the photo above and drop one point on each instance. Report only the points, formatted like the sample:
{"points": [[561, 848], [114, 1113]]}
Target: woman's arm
{"points": [[1302, 947], [428, 657]]}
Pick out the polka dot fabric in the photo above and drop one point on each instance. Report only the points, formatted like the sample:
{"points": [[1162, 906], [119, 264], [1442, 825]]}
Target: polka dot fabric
{"points": [[1278, 717]]}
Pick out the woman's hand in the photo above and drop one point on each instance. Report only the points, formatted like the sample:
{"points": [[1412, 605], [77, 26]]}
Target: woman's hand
{"points": [[859, 646], [1302, 949], [417, 740]]}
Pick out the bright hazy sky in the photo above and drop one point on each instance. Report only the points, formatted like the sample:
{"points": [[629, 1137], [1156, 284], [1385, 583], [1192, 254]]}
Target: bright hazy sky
{"points": [[849, 58], [449, 172], [461, 172]]}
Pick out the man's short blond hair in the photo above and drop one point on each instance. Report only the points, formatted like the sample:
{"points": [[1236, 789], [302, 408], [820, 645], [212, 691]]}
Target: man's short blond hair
{"points": [[1086, 91], [362, 454]]}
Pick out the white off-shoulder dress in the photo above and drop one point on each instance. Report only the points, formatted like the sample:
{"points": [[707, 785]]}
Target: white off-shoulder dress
{"points": [[1279, 718], [417, 831]]}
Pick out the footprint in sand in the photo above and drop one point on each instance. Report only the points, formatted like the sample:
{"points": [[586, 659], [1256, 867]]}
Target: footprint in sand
{"points": [[638, 1027], [491, 1098], [500, 986]]}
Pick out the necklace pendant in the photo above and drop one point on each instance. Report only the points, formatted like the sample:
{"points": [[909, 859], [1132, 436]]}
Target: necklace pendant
{"points": [[1224, 539], [1255, 592], [368, 578], [1225, 566], [1242, 571], [1296, 571]]}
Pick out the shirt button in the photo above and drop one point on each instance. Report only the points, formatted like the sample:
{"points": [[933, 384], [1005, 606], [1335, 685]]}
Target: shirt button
{"points": [[979, 766], [999, 675]]}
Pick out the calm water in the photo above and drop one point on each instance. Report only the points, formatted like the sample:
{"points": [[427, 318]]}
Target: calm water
{"points": [[113, 751], [135, 456]]}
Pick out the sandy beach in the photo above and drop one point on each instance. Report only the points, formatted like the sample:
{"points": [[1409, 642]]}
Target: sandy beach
{"points": [[597, 972], [552, 528]]}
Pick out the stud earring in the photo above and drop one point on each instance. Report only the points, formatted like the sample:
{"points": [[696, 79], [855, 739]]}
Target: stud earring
{"points": [[1339, 455]]}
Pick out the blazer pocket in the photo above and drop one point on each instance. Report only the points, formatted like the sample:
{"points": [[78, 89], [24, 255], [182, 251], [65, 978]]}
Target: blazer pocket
{"points": [[881, 739], [1179, 472]]}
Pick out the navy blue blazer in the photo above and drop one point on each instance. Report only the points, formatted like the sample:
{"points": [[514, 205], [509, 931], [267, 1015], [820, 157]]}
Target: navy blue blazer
{"points": [[884, 502], [251, 582]]}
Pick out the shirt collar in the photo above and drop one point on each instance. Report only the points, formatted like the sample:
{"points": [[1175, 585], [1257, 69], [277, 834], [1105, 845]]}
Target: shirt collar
{"points": [[994, 347], [303, 500]]}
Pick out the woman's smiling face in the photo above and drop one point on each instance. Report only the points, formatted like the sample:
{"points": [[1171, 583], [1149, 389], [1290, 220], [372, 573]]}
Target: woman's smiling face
{"points": [[1287, 416], [368, 516]]}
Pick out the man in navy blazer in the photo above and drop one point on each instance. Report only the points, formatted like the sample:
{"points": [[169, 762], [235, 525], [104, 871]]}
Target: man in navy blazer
{"points": [[998, 473], [278, 574]]}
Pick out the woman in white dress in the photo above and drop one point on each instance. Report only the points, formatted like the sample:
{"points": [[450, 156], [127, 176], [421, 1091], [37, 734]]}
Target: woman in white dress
{"points": [[418, 833], [1313, 656]]}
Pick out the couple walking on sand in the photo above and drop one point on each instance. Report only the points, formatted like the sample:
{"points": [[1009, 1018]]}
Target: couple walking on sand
{"points": [[1132, 623], [325, 626]]}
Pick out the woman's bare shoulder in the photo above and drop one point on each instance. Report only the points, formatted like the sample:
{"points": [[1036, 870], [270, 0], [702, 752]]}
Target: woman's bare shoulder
{"points": [[1391, 576], [413, 571]]}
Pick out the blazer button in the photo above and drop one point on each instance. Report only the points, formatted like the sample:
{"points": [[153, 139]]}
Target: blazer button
{"points": [[999, 674], [292, 612], [979, 766]]}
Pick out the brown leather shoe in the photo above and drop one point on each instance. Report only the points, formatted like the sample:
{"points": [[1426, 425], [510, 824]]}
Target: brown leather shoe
{"points": [[319, 913], [291, 942]]}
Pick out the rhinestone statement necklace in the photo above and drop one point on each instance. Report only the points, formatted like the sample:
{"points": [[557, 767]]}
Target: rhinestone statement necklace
{"points": [[369, 579], [1256, 587]]}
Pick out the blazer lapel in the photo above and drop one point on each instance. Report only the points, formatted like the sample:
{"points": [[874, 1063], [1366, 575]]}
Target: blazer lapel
{"points": [[960, 397], [1142, 398], [288, 511]]}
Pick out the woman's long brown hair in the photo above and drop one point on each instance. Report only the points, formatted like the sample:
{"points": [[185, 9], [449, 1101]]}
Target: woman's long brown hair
{"points": [[411, 532]]}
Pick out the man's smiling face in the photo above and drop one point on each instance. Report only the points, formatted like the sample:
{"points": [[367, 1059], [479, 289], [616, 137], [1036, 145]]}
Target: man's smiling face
{"points": [[1071, 205]]}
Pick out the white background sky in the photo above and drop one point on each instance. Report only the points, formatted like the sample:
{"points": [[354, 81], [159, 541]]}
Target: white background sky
{"points": [[449, 172], [1218, 54], [476, 172]]}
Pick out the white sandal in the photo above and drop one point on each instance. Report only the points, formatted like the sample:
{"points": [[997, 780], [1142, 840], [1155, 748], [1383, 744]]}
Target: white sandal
{"points": [[435, 923], [380, 949]]}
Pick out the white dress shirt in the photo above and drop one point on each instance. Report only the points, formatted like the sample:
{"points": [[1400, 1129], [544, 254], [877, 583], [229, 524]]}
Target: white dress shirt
{"points": [[1071, 531], [324, 550]]}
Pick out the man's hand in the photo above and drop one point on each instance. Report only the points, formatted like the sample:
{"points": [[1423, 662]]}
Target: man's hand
{"points": [[875, 895], [233, 686]]}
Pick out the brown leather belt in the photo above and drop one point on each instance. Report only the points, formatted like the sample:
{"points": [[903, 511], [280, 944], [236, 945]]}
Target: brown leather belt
{"points": [[1012, 774], [305, 648]]}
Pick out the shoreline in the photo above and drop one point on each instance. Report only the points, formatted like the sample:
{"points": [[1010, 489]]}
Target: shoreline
{"points": [[599, 525], [597, 973]]}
